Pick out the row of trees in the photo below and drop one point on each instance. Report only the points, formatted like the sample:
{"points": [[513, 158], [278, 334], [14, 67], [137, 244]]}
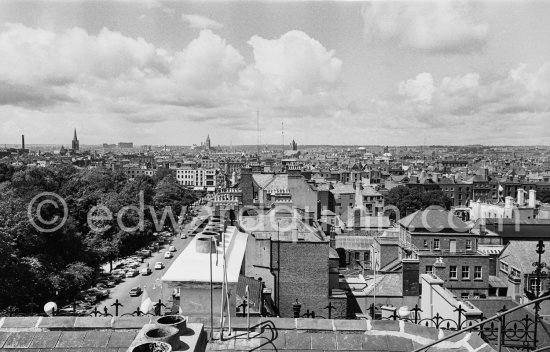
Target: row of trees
{"points": [[38, 265]]}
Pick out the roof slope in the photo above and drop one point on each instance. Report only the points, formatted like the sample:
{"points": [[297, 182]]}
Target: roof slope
{"points": [[521, 255], [434, 220]]}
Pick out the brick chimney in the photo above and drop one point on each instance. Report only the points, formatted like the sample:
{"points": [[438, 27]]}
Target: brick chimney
{"points": [[411, 274], [247, 186]]}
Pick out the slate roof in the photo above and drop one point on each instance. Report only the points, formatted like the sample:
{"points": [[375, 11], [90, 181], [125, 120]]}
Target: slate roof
{"points": [[341, 188], [521, 254], [434, 220], [369, 191], [495, 281], [354, 243], [254, 290], [387, 284]]}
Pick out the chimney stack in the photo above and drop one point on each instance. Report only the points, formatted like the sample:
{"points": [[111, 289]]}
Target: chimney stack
{"points": [[22, 141], [520, 199], [532, 198]]}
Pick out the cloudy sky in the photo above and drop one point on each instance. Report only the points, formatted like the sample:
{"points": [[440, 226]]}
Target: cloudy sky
{"points": [[166, 72]]}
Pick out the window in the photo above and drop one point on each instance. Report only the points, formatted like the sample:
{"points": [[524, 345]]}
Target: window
{"points": [[504, 267], [429, 269], [436, 243], [515, 272], [426, 243], [468, 244], [465, 295], [465, 272], [452, 272], [534, 286], [477, 273]]}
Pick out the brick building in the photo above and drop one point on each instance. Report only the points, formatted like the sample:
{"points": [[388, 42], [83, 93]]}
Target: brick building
{"points": [[292, 257], [447, 248]]}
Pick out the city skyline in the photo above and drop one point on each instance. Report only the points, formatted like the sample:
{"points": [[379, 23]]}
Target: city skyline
{"points": [[353, 73]]}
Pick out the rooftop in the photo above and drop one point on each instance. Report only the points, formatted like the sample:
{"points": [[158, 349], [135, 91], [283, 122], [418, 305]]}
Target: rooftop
{"points": [[108, 334], [281, 228], [191, 266], [434, 220]]}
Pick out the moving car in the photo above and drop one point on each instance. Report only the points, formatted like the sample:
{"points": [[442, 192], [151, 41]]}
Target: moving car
{"points": [[159, 266], [183, 236], [145, 271], [167, 255], [136, 291]]}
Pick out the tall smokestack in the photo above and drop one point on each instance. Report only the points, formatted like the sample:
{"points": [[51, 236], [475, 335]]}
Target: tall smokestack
{"points": [[22, 141]]}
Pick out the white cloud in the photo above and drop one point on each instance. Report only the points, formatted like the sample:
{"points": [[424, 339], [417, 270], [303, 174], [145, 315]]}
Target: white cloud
{"points": [[169, 11], [419, 89], [200, 22], [294, 62], [439, 26], [482, 107], [207, 61], [110, 76], [35, 56]]}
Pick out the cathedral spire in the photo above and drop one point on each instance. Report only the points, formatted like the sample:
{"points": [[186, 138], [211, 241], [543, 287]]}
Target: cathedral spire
{"points": [[75, 144]]}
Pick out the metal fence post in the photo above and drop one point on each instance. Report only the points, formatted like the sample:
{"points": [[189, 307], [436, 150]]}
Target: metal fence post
{"points": [[500, 336]]}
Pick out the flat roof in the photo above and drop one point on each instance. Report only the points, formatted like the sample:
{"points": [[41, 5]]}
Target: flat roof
{"points": [[193, 267]]}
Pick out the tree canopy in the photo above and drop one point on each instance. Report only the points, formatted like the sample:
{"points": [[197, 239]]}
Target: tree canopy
{"points": [[408, 200], [38, 265]]}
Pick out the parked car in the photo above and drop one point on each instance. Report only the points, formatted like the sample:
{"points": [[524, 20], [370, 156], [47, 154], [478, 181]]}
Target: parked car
{"points": [[183, 235], [146, 252], [172, 248], [167, 255], [134, 265], [69, 310], [159, 266], [132, 273], [136, 291], [90, 299], [98, 293], [118, 270], [145, 271]]}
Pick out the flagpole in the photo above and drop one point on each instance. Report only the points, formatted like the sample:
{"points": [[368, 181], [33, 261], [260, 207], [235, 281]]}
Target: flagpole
{"points": [[211, 296]]}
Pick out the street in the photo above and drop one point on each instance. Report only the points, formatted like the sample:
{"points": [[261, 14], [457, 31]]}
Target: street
{"points": [[150, 284]]}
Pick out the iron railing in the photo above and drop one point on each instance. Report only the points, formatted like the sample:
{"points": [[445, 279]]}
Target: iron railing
{"points": [[520, 334]]}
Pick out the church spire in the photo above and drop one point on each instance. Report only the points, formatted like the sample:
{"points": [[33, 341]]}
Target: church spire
{"points": [[75, 144]]}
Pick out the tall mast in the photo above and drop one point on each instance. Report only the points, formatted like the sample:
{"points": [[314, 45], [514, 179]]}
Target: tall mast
{"points": [[283, 134], [258, 131]]}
